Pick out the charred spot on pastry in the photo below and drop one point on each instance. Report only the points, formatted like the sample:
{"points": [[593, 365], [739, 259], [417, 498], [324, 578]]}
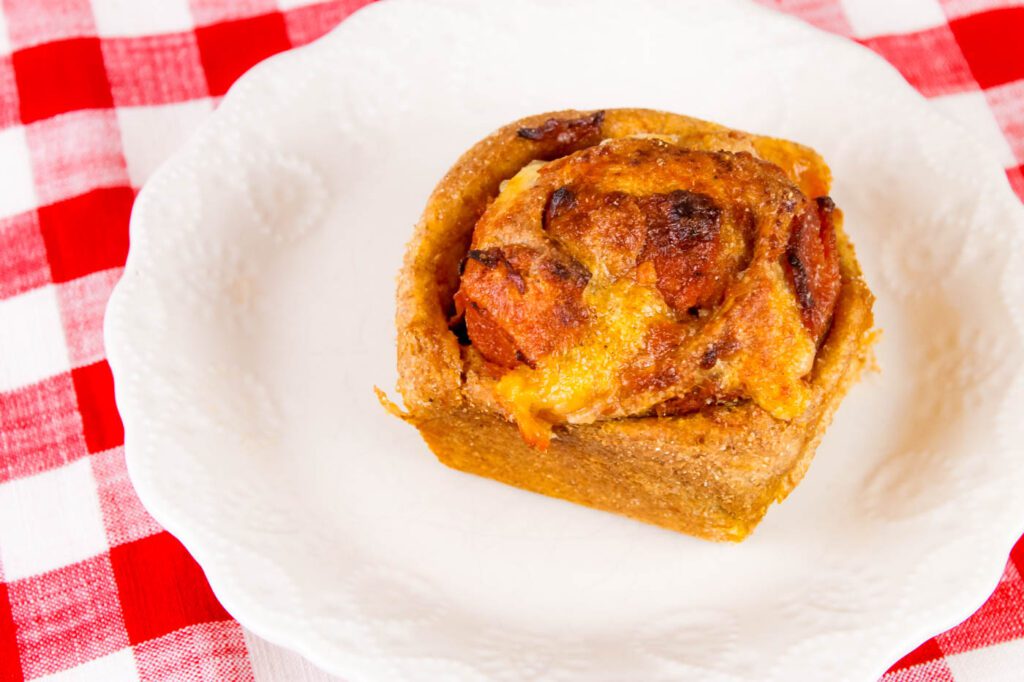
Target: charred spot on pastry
{"points": [[615, 199], [724, 161], [458, 327], [525, 360], [680, 219], [570, 270], [517, 280], [565, 131], [492, 258], [718, 350], [569, 315], [693, 311], [801, 282], [455, 311], [559, 270], [489, 258], [693, 216], [710, 357], [561, 200], [825, 204]]}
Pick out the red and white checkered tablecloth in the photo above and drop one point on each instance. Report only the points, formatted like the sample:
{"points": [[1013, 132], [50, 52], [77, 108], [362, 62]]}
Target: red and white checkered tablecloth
{"points": [[93, 95]]}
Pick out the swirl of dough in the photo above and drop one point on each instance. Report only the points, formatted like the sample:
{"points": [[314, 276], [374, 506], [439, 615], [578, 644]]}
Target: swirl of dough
{"points": [[650, 275]]}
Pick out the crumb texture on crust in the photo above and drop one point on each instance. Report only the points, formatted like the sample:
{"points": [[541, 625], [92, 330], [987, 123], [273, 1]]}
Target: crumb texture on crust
{"points": [[668, 308]]}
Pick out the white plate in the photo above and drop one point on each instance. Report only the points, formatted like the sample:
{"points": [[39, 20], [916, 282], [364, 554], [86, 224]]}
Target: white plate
{"points": [[255, 315]]}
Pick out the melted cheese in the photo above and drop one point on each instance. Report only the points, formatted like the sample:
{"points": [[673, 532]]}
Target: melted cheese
{"points": [[579, 384], [771, 371]]}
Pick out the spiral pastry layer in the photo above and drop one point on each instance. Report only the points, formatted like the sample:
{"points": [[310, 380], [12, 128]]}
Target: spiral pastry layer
{"points": [[639, 276], [634, 310]]}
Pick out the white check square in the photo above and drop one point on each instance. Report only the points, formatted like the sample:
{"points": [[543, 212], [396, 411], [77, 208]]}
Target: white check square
{"points": [[141, 17], [998, 663], [882, 17], [49, 521], [19, 193], [32, 342]]}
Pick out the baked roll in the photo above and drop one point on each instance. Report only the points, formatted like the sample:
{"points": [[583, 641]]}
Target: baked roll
{"points": [[632, 310]]}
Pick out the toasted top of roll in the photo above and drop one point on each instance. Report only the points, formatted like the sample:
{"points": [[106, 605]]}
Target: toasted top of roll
{"points": [[629, 266]]}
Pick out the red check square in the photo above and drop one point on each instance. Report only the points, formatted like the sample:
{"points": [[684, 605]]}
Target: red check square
{"points": [[162, 588], [229, 49], [1017, 556], [23, 263], [991, 42], [1016, 178], [94, 385], [40, 428], [206, 651], [930, 60], [63, 76], [67, 617], [154, 69], [926, 653], [10, 657], [87, 233]]}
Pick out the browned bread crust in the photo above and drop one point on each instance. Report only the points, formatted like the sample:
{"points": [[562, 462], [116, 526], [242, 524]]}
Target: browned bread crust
{"points": [[711, 473]]}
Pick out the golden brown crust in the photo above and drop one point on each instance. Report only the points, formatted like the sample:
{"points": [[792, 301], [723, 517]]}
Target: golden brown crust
{"points": [[710, 473]]}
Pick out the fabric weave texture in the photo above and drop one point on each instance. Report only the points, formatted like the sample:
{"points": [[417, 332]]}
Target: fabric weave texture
{"points": [[94, 94]]}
